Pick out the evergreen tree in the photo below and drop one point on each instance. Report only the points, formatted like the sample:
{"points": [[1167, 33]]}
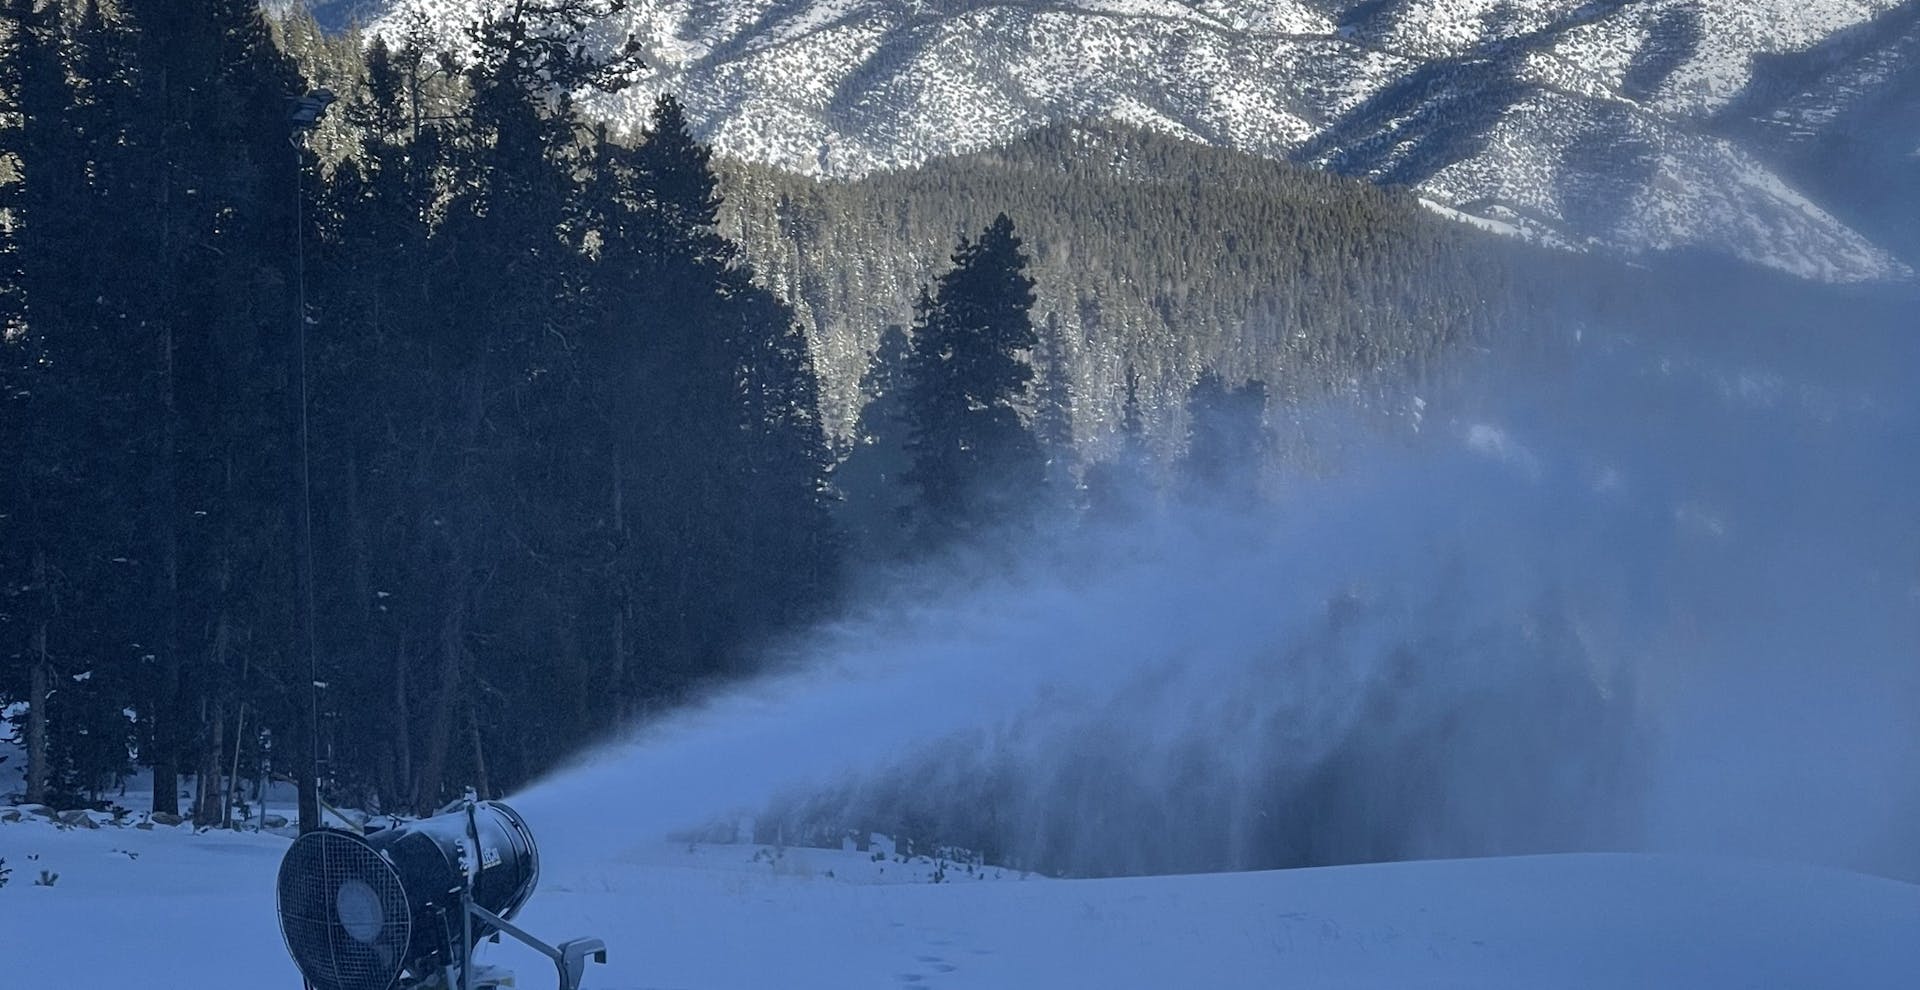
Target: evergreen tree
{"points": [[497, 475], [382, 429], [975, 461], [719, 450], [1133, 423], [72, 543], [1117, 484], [209, 184], [1053, 405], [871, 479], [1227, 439], [34, 79], [677, 173]]}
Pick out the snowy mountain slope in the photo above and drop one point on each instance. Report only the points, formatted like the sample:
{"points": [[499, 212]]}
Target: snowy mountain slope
{"points": [[131, 904], [1605, 122], [1843, 119]]}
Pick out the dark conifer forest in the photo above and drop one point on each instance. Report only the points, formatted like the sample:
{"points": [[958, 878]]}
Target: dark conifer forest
{"points": [[419, 449], [1149, 253]]}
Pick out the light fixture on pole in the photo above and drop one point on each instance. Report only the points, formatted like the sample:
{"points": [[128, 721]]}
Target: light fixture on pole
{"points": [[307, 110]]}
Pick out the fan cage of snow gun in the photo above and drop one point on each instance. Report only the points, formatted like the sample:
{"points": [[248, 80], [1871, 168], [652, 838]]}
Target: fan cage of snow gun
{"points": [[367, 912]]}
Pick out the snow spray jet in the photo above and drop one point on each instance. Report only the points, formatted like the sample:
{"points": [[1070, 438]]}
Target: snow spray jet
{"points": [[1663, 597]]}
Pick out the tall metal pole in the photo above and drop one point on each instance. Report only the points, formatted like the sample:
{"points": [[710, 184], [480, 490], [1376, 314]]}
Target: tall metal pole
{"points": [[302, 118], [310, 779]]}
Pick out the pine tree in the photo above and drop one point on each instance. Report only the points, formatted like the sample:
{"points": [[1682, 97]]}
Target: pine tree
{"points": [[378, 382], [70, 361], [1227, 438], [1118, 484], [34, 81], [719, 452], [871, 479], [677, 172], [498, 474], [1053, 405], [209, 185], [792, 561], [1133, 423], [975, 461]]}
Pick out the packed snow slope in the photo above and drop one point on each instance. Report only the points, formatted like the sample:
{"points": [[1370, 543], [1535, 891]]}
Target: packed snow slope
{"points": [[171, 908], [1625, 125]]}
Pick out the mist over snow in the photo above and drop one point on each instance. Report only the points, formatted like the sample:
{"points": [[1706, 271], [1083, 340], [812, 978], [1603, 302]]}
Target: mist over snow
{"points": [[1619, 594]]}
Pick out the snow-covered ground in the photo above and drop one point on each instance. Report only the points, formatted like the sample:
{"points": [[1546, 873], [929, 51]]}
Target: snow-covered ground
{"points": [[1768, 629], [172, 908]]}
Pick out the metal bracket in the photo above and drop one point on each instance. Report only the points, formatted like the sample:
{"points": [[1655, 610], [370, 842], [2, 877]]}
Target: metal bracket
{"points": [[570, 958]]}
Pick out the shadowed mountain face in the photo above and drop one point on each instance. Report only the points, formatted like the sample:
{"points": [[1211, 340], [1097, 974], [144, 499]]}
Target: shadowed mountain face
{"points": [[1441, 114], [1843, 119], [1768, 130], [1672, 40]]}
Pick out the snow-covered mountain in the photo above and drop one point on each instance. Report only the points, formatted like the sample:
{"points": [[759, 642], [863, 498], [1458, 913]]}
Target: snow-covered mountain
{"points": [[1632, 125]]}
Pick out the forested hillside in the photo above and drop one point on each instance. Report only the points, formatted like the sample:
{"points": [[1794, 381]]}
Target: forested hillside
{"points": [[1165, 256], [418, 446]]}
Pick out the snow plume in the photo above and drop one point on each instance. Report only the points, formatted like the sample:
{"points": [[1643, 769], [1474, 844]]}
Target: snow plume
{"points": [[1668, 599]]}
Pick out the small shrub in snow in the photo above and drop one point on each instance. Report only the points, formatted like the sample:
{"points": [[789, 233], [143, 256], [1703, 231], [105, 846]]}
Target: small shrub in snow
{"points": [[5, 873], [47, 879]]}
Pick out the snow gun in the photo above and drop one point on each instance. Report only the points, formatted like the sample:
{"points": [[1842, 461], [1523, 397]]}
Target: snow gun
{"points": [[404, 907]]}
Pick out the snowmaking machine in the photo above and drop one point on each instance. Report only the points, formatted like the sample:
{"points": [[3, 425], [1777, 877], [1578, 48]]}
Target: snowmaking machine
{"points": [[404, 908]]}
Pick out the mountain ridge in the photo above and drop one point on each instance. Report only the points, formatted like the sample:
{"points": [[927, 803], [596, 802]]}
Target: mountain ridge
{"points": [[1620, 126]]}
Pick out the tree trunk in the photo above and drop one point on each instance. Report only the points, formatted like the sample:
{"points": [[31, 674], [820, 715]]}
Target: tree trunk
{"points": [[463, 540], [427, 788], [165, 702], [207, 797], [206, 810], [396, 772], [166, 726], [617, 684], [40, 686], [39, 771], [617, 681], [402, 732], [164, 699], [233, 777]]}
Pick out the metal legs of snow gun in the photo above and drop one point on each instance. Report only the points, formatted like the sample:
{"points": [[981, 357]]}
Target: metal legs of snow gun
{"points": [[570, 958]]}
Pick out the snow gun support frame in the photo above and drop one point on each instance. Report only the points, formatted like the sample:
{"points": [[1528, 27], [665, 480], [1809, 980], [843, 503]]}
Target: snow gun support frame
{"points": [[569, 958]]}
